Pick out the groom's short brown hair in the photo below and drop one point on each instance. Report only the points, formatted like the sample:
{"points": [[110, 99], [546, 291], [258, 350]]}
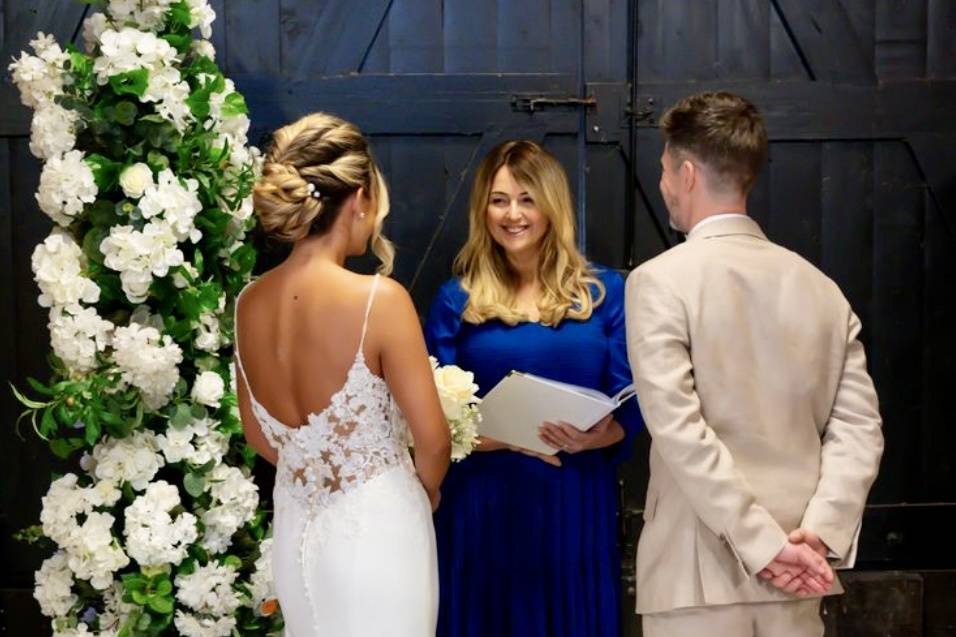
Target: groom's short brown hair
{"points": [[723, 131]]}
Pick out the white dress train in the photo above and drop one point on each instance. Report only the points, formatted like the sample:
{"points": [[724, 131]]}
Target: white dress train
{"points": [[354, 550]]}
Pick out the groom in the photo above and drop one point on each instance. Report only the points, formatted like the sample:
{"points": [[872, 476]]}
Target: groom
{"points": [[765, 425]]}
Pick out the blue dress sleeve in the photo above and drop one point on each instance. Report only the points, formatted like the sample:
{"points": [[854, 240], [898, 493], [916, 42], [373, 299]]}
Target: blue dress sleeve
{"points": [[444, 322], [618, 373]]}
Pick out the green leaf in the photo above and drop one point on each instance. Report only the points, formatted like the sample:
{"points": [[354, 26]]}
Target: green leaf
{"points": [[63, 448], [92, 241], [92, 430], [48, 424], [39, 387], [131, 83], [194, 484], [125, 113], [179, 42], [139, 597], [162, 605], [233, 561], [157, 161], [234, 104], [26, 402], [182, 417], [143, 623], [199, 411], [244, 258], [105, 171], [179, 16], [102, 213], [164, 587]]}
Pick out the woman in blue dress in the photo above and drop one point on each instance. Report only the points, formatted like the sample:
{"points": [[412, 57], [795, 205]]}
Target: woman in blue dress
{"points": [[527, 543]]}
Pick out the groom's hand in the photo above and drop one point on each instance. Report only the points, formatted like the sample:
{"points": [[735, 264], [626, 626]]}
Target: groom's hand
{"points": [[800, 570], [811, 539]]}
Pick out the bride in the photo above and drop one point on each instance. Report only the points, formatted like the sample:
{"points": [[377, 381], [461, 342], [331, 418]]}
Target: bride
{"points": [[321, 353]]}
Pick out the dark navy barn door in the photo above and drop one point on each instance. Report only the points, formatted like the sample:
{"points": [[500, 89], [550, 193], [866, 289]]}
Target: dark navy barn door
{"points": [[859, 97]]}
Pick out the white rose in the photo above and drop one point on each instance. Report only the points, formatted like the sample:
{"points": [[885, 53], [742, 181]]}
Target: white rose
{"points": [[208, 389], [456, 383], [134, 180]]}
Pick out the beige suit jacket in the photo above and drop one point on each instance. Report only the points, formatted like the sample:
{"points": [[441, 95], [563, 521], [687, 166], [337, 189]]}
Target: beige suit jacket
{"points": [[755, 392]]}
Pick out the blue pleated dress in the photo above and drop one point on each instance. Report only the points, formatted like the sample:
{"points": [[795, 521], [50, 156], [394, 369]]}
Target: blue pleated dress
{"points": [[526, 549]]}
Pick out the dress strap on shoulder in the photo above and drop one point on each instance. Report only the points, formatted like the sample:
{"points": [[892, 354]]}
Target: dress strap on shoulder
{"points": [[368, 310], [235, 341]]}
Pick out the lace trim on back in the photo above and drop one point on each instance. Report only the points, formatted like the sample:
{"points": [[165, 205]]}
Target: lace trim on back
{"points": [[341, 447]]}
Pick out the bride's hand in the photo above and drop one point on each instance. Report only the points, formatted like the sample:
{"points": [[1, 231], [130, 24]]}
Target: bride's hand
{"points": [[435, 499]]}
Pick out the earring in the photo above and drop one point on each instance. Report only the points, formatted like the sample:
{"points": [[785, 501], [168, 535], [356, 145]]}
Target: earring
{"points": [[361, 215]]}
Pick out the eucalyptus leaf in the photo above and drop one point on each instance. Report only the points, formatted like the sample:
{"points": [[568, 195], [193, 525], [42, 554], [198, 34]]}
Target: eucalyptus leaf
{"points": [[195, 484]]}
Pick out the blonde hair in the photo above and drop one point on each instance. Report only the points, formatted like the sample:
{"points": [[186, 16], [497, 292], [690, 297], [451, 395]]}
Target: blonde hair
{"points": [[564, 273], [723, 131], [325, 154]]}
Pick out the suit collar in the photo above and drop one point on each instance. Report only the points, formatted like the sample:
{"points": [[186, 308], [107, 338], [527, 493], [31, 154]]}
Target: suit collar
{"points": [[727, 226]]}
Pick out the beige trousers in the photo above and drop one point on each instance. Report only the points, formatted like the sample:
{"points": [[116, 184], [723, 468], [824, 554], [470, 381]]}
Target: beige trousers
{"points": [[800, 618]]}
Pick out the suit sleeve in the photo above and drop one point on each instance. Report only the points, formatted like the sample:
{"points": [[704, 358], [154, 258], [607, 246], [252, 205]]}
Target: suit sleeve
{"points": [[850, 456], [659, 351]]}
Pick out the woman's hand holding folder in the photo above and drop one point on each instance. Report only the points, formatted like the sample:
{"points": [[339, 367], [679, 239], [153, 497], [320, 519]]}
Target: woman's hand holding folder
{"points": [[490, 444], [569, 439]]}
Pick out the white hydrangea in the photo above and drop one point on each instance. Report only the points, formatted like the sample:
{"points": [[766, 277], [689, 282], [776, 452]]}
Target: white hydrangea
{"points": [[80, 630], [134, 459], [201, 17], [66, 183], [261, 586], [202, 48], [58, 264], [138, 255], [115, 611], [169, 92], [128, 49], [77, 334], [93, 28], [208, 334], [40, 77], [94, 554], [54, 586], [145, 14], [190, 625], [149, 361], [177, 202], [235, 498], [197, 443], [92, 551], [153, 538], [208, 590], [63, 501], [180, 280], [52, 130], [208, 389]]}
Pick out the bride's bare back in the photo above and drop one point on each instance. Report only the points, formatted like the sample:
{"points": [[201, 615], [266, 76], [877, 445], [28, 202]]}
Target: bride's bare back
{"points": [[299, 335]]}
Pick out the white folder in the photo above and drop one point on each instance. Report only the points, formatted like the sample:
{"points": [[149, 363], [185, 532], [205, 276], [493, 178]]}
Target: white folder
{"points": [[514, 409]]}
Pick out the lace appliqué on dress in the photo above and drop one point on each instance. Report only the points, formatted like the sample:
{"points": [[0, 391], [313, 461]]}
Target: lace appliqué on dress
{"points": [[342, 447]]}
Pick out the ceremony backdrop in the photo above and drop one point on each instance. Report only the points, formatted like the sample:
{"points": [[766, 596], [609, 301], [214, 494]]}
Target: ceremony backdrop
{"points": [[860, 101]]}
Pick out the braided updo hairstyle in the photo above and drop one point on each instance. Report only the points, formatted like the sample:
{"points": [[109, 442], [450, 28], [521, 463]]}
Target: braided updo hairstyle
{"points": [[312, 167]]}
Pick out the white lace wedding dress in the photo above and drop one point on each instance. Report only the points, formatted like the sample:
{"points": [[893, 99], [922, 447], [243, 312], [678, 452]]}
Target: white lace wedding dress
{"points": [[354, 550]]}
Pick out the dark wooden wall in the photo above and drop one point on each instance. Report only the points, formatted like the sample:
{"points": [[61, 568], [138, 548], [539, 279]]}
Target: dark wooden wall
{"points": [[859, 97]]}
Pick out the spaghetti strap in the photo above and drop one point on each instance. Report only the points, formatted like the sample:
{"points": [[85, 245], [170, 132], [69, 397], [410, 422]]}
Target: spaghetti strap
{"points": [[368, 311], [235, 342]]}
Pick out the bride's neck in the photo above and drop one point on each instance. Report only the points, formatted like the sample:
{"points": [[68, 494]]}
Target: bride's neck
{"points": [[330, 247]]}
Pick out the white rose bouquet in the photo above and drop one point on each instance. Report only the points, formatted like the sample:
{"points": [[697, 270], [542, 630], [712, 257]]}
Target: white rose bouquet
{"points": [[459, 401]]}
